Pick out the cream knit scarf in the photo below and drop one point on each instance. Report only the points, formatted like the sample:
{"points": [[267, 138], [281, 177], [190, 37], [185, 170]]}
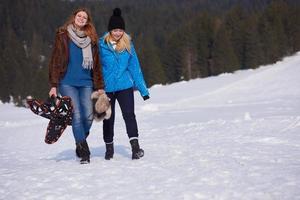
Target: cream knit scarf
{"points": [[84, 42]]}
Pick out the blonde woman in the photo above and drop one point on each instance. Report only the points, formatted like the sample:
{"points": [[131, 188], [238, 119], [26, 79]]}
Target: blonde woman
{"points": [[75, 71], [122, 74]]}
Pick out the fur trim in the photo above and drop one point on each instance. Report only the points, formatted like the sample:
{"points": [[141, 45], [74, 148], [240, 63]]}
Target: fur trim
{"points": [[101, 105]]}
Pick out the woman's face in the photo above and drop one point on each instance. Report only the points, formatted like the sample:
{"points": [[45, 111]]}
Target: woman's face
{"points": [[117, 34], [80, 19]]}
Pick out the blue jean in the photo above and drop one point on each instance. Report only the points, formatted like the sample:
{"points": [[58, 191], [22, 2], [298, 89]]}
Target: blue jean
{"points": [[82, 111], [126, 102]]}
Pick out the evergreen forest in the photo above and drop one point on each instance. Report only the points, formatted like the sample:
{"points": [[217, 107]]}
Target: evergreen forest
{"points": [[175, 39]]}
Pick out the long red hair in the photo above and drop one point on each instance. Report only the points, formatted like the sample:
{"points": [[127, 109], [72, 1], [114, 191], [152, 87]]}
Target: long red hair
{"points": [[89, 28]]}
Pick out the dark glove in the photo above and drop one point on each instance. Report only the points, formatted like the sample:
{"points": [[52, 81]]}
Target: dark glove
{"points": [[146, 97]]}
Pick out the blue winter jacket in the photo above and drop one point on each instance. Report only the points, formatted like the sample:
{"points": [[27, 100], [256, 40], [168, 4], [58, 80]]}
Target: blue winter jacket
{"points": [[121, 70]]}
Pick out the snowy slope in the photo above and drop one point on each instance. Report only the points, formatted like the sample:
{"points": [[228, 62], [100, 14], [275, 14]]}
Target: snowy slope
{"points": [[233, 136]]}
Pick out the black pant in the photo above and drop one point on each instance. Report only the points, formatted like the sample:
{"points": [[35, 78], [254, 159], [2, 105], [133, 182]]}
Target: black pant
{"points": [[126, 102]]}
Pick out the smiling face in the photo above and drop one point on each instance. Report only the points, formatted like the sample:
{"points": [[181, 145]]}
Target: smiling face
{"points": [[80, 19], [116, 34]]}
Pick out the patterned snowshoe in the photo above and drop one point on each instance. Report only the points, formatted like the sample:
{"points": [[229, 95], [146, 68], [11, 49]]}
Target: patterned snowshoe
{"points": [[59, 110]]}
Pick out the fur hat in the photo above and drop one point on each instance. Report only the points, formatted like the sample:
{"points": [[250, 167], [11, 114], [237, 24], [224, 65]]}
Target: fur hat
{"points": [[101, 105], [116, 20]]}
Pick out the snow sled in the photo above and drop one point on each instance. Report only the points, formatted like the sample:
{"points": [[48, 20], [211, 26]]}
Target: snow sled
{"points": [[58, 110]]}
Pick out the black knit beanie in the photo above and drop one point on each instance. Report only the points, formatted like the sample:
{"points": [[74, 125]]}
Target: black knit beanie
{"points": [[116, 20]]}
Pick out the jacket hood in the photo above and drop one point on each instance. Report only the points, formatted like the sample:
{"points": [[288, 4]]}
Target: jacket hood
{"points": [[102, 40]]}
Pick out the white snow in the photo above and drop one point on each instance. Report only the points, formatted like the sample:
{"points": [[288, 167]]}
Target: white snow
{"points": [[233, 136]]}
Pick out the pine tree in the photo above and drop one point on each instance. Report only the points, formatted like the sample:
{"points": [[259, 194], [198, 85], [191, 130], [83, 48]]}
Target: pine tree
{"points": [[205, 32], [272, 31], [293, 29], [235, 24], [172, 59], [223, 55], [150, 61], [252, 56]]}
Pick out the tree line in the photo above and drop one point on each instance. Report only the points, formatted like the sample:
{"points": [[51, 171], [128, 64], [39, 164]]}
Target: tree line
{"points": [[176, 40]]}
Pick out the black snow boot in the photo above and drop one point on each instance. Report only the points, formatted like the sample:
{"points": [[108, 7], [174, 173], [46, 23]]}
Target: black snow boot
{"points": [[77, 151], [87, 134], [137, 152], [109, 151], [83, 151]]}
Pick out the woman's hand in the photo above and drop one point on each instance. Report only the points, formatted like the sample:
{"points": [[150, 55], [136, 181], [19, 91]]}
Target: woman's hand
{"points": [[53, 92], [101, 91], [146, 97]]}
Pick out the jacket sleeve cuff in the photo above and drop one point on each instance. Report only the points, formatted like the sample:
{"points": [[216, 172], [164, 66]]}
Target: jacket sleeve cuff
{"points": [[54, 85]]}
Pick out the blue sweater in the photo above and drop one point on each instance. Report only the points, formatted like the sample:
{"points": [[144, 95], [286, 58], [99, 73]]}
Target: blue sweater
{"points": [[121, 70], [76, 75]]}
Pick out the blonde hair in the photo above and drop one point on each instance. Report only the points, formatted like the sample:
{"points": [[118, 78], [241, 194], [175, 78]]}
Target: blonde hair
{"points": [[122, 44], [89, 28]]}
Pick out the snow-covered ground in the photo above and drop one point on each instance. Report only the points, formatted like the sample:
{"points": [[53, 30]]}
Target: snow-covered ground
{"points": [[233, 136]]}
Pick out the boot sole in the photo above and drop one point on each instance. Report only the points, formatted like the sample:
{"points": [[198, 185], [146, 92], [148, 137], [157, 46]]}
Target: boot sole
{"points": [[84, 162], [108, 158]]}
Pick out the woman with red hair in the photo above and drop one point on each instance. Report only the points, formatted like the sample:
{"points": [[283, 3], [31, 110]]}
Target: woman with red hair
{"points": [[75, 71]]}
